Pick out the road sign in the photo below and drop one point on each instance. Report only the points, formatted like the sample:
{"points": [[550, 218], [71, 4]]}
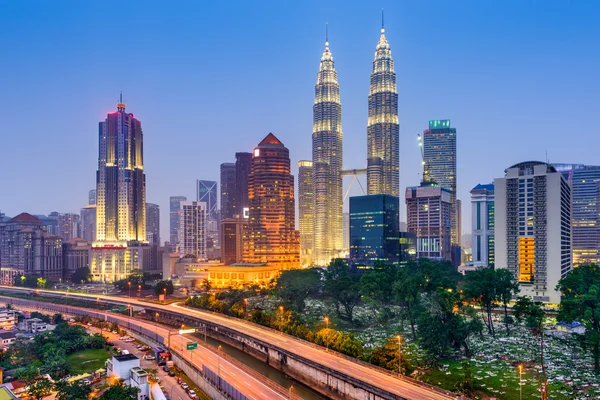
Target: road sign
{"points": [[191, 346]]}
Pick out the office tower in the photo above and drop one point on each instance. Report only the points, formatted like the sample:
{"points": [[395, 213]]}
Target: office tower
{"points": [[192, 230], [327, 156], [408, 246], [88, 223], [69, 226], [206, 192], [482, 219], [174, 218], [439, 152], [75, 254], [271, 236], [532, 206], [585, 225], [232, 239], [383, 130], [120, 197], [305, 211], [428, 210], [92, 196], [374, 230], [153, 223], [228, 190], [243, 165]]}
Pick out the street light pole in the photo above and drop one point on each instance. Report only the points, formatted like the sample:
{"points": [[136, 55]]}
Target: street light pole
{"points": [[129, 284], [327, 333], [156, 325], [399, 354], [281, 319], [219, 364], [291, 390], [520, 382]]}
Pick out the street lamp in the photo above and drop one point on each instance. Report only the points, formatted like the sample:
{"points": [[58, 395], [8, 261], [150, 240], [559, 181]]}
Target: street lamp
{"points": [[129, 284], [291, 391], [520, 382], [156, 325], [219, 364], [326, 319], [165, 292], [245, 307], [140, 291], [399, 354], [281, 319]]}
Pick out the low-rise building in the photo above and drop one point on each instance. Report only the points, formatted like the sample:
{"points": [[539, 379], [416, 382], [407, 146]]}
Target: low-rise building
{"points": [[7, 338], [32, 325], [192, 273], [127, 368], [8, 318]]}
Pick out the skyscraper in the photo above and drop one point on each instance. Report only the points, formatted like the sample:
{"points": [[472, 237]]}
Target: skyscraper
{"points": [[305, 211], [92, 196], [227, 190], [482, 218], [192, 231], [88, 223], [121, 197], [532, 207], [327, 163], [69, 226], [232, 239], [153, 223], [271, 236], [383, 130], [428, 210], [374, 230], [585, 180], [206, 191], [439, 151], [174, 217], [243, 165]]}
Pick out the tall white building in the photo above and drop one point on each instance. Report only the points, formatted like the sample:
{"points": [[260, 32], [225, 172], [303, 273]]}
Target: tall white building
{"points": [[192, 229], [482, 219], [533, 228]]}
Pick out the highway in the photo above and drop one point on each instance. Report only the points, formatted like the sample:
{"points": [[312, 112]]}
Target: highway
{"points": [[400, 387]]}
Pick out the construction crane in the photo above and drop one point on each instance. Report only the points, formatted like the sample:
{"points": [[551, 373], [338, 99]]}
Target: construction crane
{"points": [[426, 175]]}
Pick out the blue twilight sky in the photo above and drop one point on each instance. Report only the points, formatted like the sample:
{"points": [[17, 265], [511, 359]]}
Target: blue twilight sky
{"points": [[517, 78]]}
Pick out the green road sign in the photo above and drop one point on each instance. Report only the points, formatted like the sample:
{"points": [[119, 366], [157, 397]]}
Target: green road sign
{"points": [[191, 346]]}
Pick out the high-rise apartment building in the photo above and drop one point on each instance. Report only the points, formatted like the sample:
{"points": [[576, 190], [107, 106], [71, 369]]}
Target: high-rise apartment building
{"points": [[232, 239], [192, 231], [153, 223], [92, 196], [305, 211], [585, 182], [428, 211], [374, 230], [327, 156], [439, 152], [206, 192], [88, 223], [383, 129], [69, 226], [243, 166], [228, 209], [271, 236], [120, 197], [174, 219], [482, 219], [532, 206]]}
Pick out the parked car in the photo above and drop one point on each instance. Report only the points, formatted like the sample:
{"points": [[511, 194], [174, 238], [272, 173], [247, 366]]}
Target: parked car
{"points": [[150, 357], [166, 369], [114, 332], [161, 363], [184, 386], [171, 373], [192, 394], [124, 338]]}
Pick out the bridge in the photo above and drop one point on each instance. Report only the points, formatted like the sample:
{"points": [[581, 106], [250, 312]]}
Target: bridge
{"points": [[332, 374]]}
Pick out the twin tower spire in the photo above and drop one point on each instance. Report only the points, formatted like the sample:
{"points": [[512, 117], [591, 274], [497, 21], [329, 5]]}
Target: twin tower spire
{"points": [[321, 209]]}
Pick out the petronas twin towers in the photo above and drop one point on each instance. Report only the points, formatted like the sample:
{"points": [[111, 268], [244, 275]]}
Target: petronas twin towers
{"points": [[320, 182]]}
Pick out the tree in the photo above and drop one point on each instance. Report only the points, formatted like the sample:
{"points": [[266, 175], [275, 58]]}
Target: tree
{"points": [[72, 391], [30, 281], [506, 288], [120, 391], [152, 374], [343, 286], [580, 301], [57, 318], [377, 287], [162, 285], [81, 274], [294, 286], [481, 288], [389, 356], [407, 290], [39, 388]]}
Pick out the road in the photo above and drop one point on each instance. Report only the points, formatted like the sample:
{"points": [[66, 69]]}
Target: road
{"points": [[402, 388]]}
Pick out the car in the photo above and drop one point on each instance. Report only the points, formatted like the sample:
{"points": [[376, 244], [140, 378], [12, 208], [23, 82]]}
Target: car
{"points": [[150, 358], [166, 369], [85, 381], [129, 340], [184, 386], [192, 393], [124, 338], [163, 362], [171, 373]]}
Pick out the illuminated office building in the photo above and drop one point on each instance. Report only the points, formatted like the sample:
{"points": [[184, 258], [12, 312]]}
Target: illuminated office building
{"points": [[585, 181], [271, 236], [192, 229], [121, 198], [383, 130], [232, 239], [532, 206], [174, 219], [327, 163], [482, 218], [153, 223], [243, 165], [206, 192], [305, 211], [227, 190]]}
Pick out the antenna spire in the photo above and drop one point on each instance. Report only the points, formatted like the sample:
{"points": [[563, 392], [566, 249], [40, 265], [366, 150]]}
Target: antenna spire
{"points": [[121, 105], [382, 25], [326, 33], [121, 96]]}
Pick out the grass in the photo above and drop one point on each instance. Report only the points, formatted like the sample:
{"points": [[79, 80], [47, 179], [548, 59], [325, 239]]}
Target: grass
{"points": [[87, 360]]}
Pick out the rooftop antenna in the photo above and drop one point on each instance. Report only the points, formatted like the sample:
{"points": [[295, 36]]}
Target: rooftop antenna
{"points": [[326, 33], [382, 26], [121, 96]]}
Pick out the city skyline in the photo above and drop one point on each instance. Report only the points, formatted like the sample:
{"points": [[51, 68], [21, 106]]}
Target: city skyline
{"points": [[492, 64]]}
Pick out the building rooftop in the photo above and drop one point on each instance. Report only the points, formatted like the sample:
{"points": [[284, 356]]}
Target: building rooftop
{"points": [[483, 186], [25, 217], [125, 357], [7, 335], [138, 371], [270, 139]]}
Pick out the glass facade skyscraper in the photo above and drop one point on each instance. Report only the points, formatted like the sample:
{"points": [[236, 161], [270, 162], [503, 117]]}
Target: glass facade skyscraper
{"points": [[383, 129], [206, 191], [327, 164], [374, 230], [174, 219], [227, 190]]}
